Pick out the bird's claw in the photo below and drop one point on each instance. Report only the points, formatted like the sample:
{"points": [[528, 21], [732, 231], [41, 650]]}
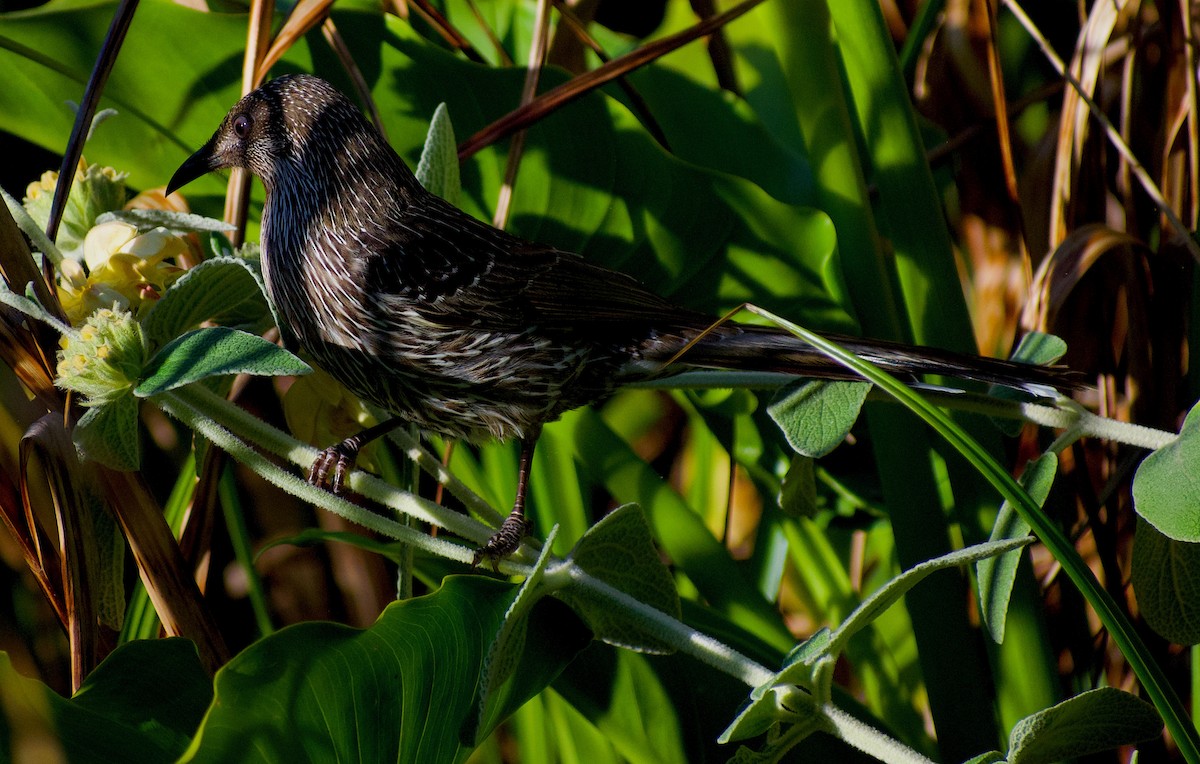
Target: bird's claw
{"points": [[503, 542], [332, 466]]}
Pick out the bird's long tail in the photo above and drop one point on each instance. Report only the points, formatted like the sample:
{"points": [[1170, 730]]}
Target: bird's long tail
{"points": [[758, 348]]}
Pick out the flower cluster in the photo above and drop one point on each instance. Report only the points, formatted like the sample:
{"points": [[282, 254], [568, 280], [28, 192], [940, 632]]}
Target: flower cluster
{"points": [[96, 190], [124, 269], [103, 359], [110, 264]]}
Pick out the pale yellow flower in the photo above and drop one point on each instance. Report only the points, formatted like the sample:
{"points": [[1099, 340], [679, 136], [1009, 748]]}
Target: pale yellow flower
{"points": [[320, 411], [125, 270]]}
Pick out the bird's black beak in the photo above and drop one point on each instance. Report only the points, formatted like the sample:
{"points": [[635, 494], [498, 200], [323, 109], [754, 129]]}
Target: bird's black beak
{"points": [[202, 162]]}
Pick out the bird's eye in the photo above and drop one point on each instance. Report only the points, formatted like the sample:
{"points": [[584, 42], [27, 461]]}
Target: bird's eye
{"points": [[241, 125]]}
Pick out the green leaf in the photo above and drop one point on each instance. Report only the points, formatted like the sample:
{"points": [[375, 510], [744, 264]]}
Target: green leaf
{"points": [[631, 700], [779, 704], [1166, 486], [785, 697], [109, 434], [29, 227], [1039, 349], [29, 305], [400, 690], [798, 496], [315, 537], [797, 667], [991, 757], [227, 290], [619, 551], [142, 703], [608, 459], [507, 648], [997, 574], [1093, 721], [438, 168], [1166, 576], [885, 597], [176, 222], [816, 416], [213, 352]]}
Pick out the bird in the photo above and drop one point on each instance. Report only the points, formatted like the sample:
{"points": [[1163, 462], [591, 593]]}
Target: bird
{"points": [[461, 328]]}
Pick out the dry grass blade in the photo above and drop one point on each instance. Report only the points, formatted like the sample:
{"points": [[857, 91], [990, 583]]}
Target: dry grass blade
{"points": [[339, 46], [497, 46], [163, 570], [1062, 270], [258, 34], [1000, 105], [440, 24], [304, 17], [1178, 173], [1086, 66], [89, 628], [27, 348], [556, 98], [40, 556], [719, 51], [578, 29], [1148, 185]]}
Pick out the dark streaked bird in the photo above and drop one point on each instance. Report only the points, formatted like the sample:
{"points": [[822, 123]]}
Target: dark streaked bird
{"points": [[454, 325]]}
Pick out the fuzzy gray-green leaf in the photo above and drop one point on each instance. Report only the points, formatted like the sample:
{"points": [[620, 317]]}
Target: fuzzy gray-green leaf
{"points": [[619, 551], [109, 434], [212, 352], [816, 416]]}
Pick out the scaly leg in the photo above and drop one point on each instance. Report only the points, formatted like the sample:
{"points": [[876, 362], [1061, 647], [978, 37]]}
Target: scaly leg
{"points": [[506, 540], [339, 459]]}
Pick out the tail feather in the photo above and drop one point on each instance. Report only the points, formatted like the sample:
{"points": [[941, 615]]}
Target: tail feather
{"points": [[758, 348]]}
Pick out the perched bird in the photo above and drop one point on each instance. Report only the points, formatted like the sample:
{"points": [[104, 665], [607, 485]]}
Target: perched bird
{"points": [[454, 325]]}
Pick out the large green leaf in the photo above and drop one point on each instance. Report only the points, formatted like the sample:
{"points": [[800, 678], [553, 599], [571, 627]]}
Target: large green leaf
{"points": [[1165, 574], [400, 690], [619, 551], [142, 703]]}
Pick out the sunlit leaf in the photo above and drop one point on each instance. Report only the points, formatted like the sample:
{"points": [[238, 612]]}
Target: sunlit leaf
{"points": [[213, 352]]}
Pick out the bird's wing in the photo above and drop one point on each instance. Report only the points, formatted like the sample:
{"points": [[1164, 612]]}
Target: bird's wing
{"points": [[459, 271]]}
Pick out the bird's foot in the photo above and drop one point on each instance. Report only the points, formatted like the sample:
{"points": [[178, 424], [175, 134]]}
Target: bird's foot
{"points": [[503, 542], [333, 465]]}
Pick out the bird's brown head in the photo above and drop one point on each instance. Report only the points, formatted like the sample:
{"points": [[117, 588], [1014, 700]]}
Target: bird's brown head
{"points": [[292, 121]]}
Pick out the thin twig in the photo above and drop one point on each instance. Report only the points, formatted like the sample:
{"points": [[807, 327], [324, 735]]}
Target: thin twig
{"points": [[576, 88], [83, 117]]}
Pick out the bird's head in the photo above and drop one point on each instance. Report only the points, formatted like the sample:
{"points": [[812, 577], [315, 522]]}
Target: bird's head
{"points": [[292, 121]]}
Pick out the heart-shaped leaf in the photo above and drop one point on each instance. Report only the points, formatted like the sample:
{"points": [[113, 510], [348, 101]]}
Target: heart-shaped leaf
{"points": [[1166, 576], [816, 416], [619, 550], [1166, 490], [397, 691], [1093, 721]]}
